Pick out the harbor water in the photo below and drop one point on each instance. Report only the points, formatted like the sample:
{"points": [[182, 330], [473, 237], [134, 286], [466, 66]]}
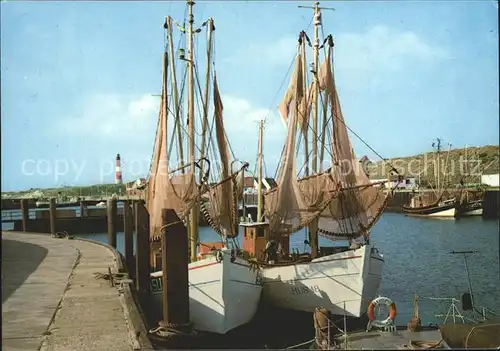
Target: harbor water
{"points": [[418, 260]]}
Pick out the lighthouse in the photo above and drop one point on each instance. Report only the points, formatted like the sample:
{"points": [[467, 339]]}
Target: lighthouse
{"points": [[118, 174]]}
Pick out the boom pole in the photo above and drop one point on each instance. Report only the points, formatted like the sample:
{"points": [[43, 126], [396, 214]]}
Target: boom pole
{"points": [[259, 176]]}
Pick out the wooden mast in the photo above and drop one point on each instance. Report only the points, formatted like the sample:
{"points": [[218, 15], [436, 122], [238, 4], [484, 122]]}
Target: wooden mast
{"points": [[210, 28], [313, 227], [317, 23], [259, 174], [193, 223], [305, 120], [175, 92]]}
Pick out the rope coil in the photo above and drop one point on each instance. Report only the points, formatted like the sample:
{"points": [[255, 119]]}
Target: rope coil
{"points": [[62, 235], [168, 330]]}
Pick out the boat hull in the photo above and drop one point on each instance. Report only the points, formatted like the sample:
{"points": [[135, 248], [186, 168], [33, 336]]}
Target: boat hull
{"points": [[472, 208], [344, 282], [447, 210], [222, 295]]}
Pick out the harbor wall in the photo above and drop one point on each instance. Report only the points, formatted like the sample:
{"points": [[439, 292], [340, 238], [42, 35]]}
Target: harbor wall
{"points": [[491, 208], [75, 225]]}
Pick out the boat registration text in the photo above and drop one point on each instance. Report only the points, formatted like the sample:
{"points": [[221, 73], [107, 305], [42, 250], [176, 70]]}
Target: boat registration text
{"points": [[156, 284], [300, 290]]}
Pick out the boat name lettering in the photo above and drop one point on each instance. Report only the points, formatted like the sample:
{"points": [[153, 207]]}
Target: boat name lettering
{"points": [[300, 290], [156, 284]]}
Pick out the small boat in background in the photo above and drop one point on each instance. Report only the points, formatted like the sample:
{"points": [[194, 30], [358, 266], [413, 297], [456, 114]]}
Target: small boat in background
{"points": [[445, 208], [471, 201], [442, 205], [101, 204], [469, 208]]}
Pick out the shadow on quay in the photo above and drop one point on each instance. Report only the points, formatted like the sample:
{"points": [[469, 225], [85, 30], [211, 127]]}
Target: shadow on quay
{"points": [[19, 260]]}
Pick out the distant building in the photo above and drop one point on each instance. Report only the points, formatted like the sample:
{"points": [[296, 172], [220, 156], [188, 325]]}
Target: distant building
{"points": [[409, 183], [267, 183], [248, 185], [136, 188], [490, 179]]}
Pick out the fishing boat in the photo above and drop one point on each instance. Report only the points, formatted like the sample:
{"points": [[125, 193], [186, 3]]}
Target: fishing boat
{"points": [[470, 202], [224, 292], [337, 202], [433, 204]]}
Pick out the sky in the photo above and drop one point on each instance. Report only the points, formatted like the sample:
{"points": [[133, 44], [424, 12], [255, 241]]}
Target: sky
{"points": [[79, 79]]}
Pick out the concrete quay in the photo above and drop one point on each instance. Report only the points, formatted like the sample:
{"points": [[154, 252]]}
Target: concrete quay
{"points": [[51, 299]]}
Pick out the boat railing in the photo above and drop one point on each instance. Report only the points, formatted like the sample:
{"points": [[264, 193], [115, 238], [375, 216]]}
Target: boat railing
{"points": [[453, 312]]}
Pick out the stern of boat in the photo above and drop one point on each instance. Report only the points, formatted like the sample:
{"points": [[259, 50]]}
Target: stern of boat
{"points": [[242, 288]]}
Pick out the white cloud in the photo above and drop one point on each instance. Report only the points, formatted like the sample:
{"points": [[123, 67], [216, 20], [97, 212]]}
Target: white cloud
{"points": [[275, 53], [383, 48], [113, 116], [379, 48], [119, 119], [241, 117]]}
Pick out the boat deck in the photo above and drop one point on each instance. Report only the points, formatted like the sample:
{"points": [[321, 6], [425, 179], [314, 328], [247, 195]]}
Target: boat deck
{"points": [[399, 339]]}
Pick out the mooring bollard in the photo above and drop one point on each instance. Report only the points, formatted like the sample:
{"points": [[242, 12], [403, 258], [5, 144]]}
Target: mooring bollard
{"points": [[112, 216], [82, 210], [174, 243], [53, 216], [25, 214], [142, 278], [322, 328], [128, 229]]}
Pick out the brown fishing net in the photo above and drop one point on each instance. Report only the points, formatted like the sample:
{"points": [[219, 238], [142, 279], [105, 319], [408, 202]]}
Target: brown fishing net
{"points": [[178, 190], [342, 198], [293, 204], [221, 210]]}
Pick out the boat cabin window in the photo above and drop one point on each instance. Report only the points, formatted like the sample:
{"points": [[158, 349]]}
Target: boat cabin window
{"points": [[260, 232]]}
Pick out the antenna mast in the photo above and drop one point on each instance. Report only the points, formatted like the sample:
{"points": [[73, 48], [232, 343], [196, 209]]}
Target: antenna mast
{"points": [[437, 146], [468, 276]]}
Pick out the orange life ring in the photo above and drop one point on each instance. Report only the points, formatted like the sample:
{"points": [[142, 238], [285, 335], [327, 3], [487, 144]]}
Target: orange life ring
{"points": [[371, 311]]}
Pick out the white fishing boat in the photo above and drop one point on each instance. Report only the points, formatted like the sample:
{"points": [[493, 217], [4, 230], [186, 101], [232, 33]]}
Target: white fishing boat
{"points": [[224, 292], [338, 202], [344, 282]]}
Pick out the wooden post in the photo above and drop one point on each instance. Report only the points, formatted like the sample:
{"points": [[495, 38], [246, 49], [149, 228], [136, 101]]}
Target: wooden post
{"points": [[175, 270], [128, 223], [111, 207], [142, 277], [53, 216], [82, 210], [25, 214]]}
